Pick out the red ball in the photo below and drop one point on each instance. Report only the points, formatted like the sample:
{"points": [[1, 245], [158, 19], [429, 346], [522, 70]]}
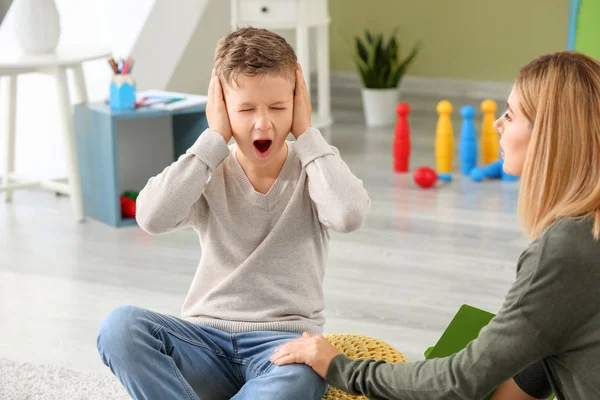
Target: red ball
{"points": [[127, 207], [425, 177]]}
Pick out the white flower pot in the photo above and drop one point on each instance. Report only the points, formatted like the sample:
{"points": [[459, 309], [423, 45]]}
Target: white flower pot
{"points": [[37, 25], [379, 106]]}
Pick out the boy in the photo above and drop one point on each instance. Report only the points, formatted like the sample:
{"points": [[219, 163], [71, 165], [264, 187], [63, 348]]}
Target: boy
{"points": [[262, 209]]}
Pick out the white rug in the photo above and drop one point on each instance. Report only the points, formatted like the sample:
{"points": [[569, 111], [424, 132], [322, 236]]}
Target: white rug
{"points": [[24, 381]]}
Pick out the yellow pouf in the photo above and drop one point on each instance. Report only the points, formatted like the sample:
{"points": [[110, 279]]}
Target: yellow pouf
{"points": [[360, 347]]}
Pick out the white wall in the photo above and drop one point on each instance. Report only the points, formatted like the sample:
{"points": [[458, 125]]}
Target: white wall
{"points": [[163, 39], [173, 42], [193, 70], [192, 73], [109, 24]]}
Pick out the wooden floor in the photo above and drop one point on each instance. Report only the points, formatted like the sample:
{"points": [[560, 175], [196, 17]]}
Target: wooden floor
{"points": [[401, 277]]}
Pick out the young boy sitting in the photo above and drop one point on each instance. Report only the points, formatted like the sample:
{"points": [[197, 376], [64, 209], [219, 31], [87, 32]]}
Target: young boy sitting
{"points": [[262, 209]]}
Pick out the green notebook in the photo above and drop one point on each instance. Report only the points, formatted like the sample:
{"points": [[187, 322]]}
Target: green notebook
{"points": [[464, 327]]}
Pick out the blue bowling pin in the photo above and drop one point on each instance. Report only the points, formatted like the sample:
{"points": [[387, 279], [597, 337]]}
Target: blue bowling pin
{"points": [[490, 171], [468, 141]]}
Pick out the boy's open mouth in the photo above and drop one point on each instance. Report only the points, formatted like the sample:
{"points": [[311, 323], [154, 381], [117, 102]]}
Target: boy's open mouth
{"points": [[262, 146]]}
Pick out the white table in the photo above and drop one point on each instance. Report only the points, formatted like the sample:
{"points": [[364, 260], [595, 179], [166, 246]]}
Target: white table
{"points": [[13, 65]]}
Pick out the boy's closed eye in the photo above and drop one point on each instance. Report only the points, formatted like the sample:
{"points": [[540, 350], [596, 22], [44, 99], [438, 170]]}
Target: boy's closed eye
{"points": [[278, 108]]}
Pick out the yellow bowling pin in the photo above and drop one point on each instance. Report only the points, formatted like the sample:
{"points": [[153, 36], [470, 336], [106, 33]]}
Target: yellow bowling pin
{"points": [[490, 142], [444, 141]]}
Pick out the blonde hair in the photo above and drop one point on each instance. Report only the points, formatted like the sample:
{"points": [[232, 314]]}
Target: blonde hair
{"points": [[560, 95], [253, 51]]}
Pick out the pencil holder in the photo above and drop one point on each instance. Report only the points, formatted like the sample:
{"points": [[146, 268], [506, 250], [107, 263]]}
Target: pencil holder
{"points": [[122, 92]]}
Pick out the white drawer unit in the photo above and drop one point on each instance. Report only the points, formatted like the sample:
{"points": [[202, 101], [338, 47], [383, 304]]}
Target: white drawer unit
{"points": [[282, 12], [299, 15]]}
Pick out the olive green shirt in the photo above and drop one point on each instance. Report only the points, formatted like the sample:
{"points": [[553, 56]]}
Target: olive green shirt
{"points": [[551, 313]]}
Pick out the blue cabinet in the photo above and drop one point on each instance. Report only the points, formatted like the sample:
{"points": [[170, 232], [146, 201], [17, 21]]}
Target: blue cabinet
{"points": [[115, 147]]}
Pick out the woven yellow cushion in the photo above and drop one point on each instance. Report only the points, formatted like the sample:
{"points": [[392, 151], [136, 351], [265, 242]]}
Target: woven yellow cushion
{"points": [[360, 347]]}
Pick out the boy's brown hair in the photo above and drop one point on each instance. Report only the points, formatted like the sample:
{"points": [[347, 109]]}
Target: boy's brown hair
{"points": [[253, 51]]}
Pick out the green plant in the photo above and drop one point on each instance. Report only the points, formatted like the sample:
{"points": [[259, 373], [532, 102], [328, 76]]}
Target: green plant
{"points": [[379, 63]]}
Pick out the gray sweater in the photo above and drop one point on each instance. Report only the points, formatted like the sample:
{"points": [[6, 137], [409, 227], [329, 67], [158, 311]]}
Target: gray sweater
{"points": [[551, 313], [263, 255]]}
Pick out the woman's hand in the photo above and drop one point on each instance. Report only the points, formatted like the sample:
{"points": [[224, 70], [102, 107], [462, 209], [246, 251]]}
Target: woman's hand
{"points": [[314, 351]]}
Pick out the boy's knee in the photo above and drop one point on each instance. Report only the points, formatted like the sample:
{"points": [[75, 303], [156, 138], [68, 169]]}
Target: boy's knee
{"points": [[120, 332], [304, 383]]}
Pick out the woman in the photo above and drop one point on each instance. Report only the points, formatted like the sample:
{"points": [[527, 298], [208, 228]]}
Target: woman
{"points": [[551, 138]]}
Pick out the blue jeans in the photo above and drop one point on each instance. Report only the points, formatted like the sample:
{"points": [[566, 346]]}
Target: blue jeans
{"points": [[158, 356]]}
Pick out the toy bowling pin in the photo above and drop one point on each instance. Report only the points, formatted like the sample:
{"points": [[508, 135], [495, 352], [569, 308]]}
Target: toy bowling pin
{"points": [[490, 143], [444, 141], [468, 141], [490, 171], [401, 145]]}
